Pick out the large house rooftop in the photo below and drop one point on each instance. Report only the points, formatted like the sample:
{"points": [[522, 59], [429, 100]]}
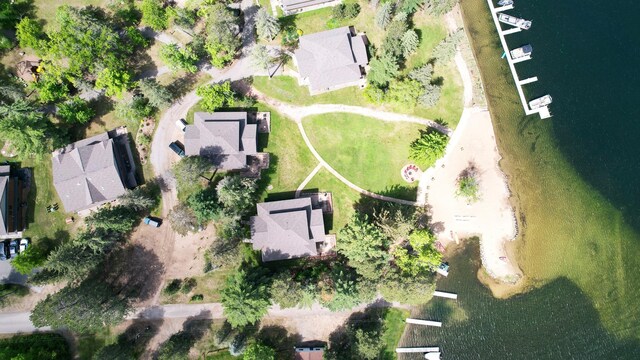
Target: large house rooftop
{"points": [[287, 229], [224, 137]]}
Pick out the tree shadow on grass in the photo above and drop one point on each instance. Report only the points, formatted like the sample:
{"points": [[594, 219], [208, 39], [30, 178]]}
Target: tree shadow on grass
{"points": [[278, 338], [342, 341], [179, 344]]}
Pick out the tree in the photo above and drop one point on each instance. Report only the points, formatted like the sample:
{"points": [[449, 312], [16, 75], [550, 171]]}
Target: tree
{"points": [[374, 94], [154, 15], [51, 87], [393, 39], [411, 290], [344, 293], [30, 34], [138, 199], [29, 259], [428, 148], [237, 194], [215, 96], [383, 69], [411, 6], [118, 218], [25, 128], [404, 92], [446, 49], [134, 109], [158, 95], [468, 185], [258, 351], [368, 344], [189, 169], [267, 26], [423, 256], [222, 27], [383, 14], [114, 81], [261, 57], [75, 111], [131, 344], [430, 95], [182, 219], [179, 58], [440, 7], [204, 204], [422, 74], [410, 42], [35, 346], [286, 292], [396, 222], [364, 246], [245, 297]]}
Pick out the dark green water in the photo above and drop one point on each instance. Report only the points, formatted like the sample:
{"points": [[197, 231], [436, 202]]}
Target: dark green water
{"points": [[574, 179]]}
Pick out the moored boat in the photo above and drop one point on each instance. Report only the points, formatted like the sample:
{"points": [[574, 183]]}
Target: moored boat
{"points": [[505, 2], [540, 102], [521, 52], [514, 21]]}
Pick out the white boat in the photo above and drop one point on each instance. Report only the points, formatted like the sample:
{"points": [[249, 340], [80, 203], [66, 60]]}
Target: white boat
{"points": [[540, 102], [505, 2], [514, 21], [521, 52]]}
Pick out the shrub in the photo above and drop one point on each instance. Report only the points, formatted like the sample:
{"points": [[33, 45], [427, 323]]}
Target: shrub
{"points": [[75, 110], [196, 298], [173, 287], [188, 285], [428, 148]]}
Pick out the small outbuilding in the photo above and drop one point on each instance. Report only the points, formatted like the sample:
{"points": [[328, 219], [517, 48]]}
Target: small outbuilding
{"points": [[13, 203]]}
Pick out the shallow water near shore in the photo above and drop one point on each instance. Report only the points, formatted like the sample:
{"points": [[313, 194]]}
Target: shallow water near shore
{"points": [[575, 190]]}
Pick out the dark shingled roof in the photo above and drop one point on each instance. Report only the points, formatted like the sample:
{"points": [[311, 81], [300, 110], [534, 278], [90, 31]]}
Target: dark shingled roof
{"points": [[4, 194], [85, 173], [331, 58], [223, 136], [287, 229]]}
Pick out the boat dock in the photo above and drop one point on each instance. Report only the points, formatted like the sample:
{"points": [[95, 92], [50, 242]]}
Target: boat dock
{"points": [[542, 111], [424, 322], [445, 295], [418, 349]]}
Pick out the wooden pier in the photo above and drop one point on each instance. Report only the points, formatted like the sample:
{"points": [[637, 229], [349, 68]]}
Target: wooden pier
{"points": [[542, 111], [445, 295], [406, 350], [424, 322]]}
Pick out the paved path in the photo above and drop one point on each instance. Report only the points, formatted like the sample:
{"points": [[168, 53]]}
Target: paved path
{"points": [[308, 178]]}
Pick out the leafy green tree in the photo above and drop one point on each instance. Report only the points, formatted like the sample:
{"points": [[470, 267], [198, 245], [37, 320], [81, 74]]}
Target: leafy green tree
{"points": [[261, 57], [384, 14], [222, 27], [204, 205], [428, 148], [118, 218], [158, 95], [267, 26], [368, 344], [374, 94], [138, 199], [215, 96], [258, 351], [411, 6], [179, 58], [29, 259], [182, 17], [396, 222], [182, 219], [75, 111], [410, 42], [287, 293], [383, 69], [446, 49], [404, 92], [405, 289], [430, 95], [26, 128], [344, 293], [364, 246], [50, 346], [30, 34], [51, 87], [237, 194], [154, 15], [114, 81], [134, 109], [177, 347], [229, 227], [189, 169], [423, 256], [245, 297]]}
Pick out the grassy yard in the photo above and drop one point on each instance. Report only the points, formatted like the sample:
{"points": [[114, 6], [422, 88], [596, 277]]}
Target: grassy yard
{"points": [[368, 152], [46, 9], [208, 285], [394, 321], [286, 89]]}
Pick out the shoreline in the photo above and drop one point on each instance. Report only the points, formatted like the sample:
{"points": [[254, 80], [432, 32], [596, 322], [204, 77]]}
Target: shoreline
{"points": [[493, 217]]}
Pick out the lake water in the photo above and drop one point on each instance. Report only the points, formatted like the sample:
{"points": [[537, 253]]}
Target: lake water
{"points": [[574, 179]]}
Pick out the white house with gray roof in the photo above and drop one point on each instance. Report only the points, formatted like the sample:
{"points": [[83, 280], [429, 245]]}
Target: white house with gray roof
{"points": [[287, 229], [93, 171], [297, 6], [224, 137], [331, 60]]}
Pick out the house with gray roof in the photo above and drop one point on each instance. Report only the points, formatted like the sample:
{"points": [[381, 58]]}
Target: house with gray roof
{"points": [[13, 196], [226, 138], [332, 59], [287, 229], [93, 171], [297, 6]]}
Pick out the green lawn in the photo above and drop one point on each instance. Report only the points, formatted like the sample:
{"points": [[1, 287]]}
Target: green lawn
{"points": [[208, 285], [46, 9], [286, 89], [368, 152], [394, 323]]}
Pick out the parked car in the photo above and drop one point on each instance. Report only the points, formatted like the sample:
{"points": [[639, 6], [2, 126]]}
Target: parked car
{"points": [[151, 222], [3, 251], [24, 244], [181, 124], [177, 149], [13, 248]]}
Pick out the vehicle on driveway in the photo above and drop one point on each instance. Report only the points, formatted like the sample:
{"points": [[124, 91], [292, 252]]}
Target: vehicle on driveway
{"points": [[24, 244], [13, 248], [3, 251], [151, 221], [177, 149], [181, 124]]}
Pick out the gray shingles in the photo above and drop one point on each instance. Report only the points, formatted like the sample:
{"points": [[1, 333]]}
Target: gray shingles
{"points": [[86, 174], [4, 194], [331, 58], [224, 136], [287, 229]]}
